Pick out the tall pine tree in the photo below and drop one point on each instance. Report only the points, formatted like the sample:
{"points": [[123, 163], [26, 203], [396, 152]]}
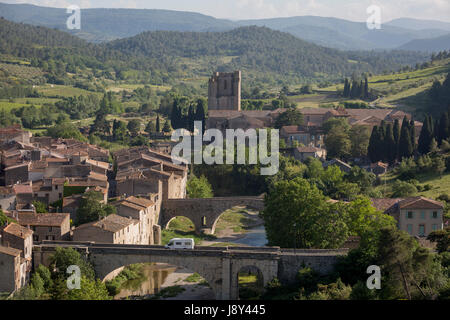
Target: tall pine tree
{"points": [[426, 136], [405, 149], [390, 145]]}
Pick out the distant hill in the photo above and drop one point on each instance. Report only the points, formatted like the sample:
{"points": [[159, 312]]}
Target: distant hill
{"points": [[101, 25], [416, 24], [428, 45], [262, 53], [343, 34]]}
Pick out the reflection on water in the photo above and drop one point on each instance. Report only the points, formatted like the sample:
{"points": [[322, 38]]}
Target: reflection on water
{"points": [[154, 276]]}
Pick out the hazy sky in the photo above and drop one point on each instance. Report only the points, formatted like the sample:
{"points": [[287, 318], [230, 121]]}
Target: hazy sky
{"points": [[255, 9]]}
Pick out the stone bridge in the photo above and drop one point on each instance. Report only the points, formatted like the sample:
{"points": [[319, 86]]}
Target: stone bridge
{"points": [[219, 266], [205, 213]]}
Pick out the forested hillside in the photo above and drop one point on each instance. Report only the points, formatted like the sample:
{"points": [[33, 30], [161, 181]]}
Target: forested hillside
{"points": [[101, 25], [429, 45], [169, 55]]}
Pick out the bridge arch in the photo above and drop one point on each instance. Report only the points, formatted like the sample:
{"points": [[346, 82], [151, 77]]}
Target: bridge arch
{"points": [[250, 282], [108, 264], [204, 213], [157, 274]]}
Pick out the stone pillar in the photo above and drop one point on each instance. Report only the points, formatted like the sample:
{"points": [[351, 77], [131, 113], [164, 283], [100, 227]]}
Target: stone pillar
{"points": [[157, 234], [226, 280]]}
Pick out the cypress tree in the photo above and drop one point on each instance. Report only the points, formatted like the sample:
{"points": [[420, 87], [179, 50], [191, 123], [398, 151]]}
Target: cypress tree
{"points": [[426, 136], [346, 88], [191, 119], [412, 133], [200, 113], [390, 145], [158, 125], [174, 116], [442, 132], [405, 149], [396, 136], [373, 150], [366, 88]]}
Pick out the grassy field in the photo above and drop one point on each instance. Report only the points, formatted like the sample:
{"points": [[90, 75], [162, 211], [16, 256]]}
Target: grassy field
{"points": [[406, 90], [438, 185], [53, 90], [233, 219]]}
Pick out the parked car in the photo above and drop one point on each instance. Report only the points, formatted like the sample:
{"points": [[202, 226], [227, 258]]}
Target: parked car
{"points": [[178, 243]]}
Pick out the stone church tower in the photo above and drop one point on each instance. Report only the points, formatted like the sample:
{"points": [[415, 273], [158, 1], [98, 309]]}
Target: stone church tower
{"points": [[224, 91]]}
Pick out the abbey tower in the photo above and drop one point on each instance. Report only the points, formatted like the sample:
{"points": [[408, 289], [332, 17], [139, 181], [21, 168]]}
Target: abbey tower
{"points": [[224, 91]]}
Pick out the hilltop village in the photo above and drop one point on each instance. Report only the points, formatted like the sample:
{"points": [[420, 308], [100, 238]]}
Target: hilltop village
{"points": [[48, 185]]}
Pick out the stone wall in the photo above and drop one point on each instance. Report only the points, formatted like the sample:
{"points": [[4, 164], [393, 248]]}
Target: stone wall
{"points": [[292, 261]]}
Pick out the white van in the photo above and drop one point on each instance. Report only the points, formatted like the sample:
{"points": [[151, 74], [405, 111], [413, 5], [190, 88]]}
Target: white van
{"points": [[181, 244]]}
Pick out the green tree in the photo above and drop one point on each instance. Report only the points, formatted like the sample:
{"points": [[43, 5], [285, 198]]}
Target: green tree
{"points": [[426, 136], [134, 126], [338, 143], [390, 145], [40, 207], [405, 147], [199, 187], [119, 130], [359, 138], [167, 128], [442, 239], [297, 215], [89, 290], [65, 257], [291, 117], [91, 208], [158, 125], [150, 128]]}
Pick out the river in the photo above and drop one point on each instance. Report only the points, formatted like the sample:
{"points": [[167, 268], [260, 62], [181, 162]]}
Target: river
{"points": [[157, 276]]}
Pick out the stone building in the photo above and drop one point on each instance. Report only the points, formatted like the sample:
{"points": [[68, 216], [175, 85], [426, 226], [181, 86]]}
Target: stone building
{"points": [[224, 91], [15, 133], [418, 216], [46, 226], [7, 198], [112, 229], [147, 212], [15, 257], [10, 270], [308, 136], [303, 153]]}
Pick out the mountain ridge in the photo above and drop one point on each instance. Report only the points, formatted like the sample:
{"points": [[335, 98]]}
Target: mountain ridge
{"points": [[103, 25]]}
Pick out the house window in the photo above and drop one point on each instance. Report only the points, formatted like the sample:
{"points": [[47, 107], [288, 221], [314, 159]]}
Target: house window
{"points": [[35, 238], [422, 215], [225, 85], [56, 187], [410, 228], [421, 230], [434, 227], [435, 215], [409, 215], [50, 229]]}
